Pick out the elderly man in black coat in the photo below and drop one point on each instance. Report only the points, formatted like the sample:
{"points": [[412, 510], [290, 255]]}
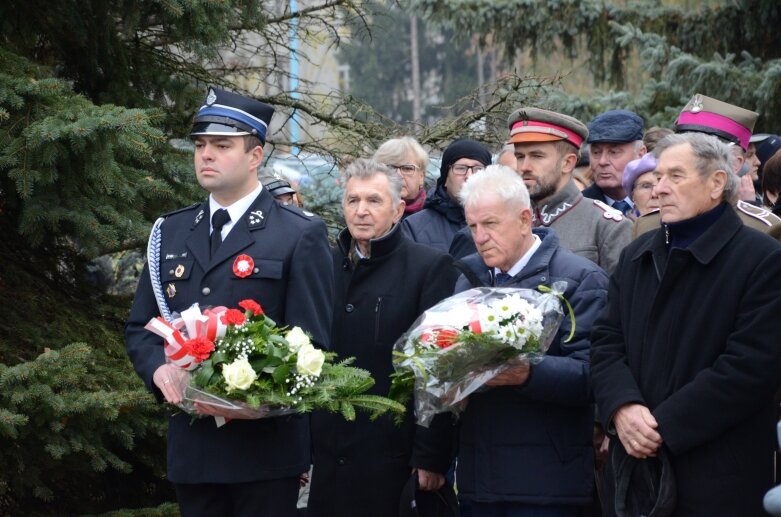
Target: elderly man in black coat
{"points": [[685, 357], [383, 283]]}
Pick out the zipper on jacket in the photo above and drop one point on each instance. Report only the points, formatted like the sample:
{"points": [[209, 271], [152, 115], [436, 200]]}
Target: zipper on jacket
{"points": [[377, 307]]}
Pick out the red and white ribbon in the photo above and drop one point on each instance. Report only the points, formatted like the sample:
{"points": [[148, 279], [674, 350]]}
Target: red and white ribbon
{"points": [[190, 325]]}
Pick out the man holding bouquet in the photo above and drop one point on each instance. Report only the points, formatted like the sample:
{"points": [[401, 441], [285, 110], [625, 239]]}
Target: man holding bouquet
{"points": [[525, 444], [239, 244]]}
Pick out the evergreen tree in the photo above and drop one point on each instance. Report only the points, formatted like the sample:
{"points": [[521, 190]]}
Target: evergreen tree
{"points": [[726, 50]]}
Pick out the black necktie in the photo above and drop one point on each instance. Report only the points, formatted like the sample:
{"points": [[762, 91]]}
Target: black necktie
{"points": [[219, 219], [501, 278], [622, 206]]}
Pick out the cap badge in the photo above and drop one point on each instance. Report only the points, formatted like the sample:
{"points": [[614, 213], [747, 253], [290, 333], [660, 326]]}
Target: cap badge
{"points": [[179, 271], [198, 217], [696, 105], [170, 290], [243, 266], [211, 98]]}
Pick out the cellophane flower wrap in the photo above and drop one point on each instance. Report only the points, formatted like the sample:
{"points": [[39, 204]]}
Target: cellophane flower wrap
{"points": [[241, 361], [455, 347]]}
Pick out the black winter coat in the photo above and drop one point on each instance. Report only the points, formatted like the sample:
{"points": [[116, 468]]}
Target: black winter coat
{"points": [[693, 335], [437, 223], [360, 467], [532, 443]]}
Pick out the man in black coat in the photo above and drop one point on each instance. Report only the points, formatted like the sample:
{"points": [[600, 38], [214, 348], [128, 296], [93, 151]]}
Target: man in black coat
{"points": [[258, 249], [685, 357], [383, 283], [615, 138]]}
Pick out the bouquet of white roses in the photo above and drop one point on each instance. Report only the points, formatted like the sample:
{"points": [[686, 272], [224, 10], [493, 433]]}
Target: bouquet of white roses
{"points": [[242, 362], [455, 347]]}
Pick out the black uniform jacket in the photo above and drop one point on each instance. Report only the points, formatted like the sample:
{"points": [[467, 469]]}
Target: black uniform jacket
{"points": [[293, 282]]}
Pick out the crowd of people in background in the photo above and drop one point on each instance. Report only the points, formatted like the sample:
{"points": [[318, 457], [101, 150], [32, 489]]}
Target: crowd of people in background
{"points": [[661, 402]]}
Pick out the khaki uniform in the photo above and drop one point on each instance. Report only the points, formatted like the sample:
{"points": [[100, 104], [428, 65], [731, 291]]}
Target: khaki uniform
{"points": [[587, 227], [751, 215]]}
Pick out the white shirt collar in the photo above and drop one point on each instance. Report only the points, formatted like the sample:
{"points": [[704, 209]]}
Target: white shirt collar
{"points": [[235, 210], [518, 267]]}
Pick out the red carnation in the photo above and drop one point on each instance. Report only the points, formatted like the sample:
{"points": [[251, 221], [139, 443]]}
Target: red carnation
{"points": [[446, 338], [251, 305], [233, 317], [442, 338], [199, 348]]}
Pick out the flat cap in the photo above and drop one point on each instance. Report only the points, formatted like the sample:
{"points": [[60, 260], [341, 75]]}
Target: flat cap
{"points": [[615, 126], [226, 113], [539, 125], [704, 114]]}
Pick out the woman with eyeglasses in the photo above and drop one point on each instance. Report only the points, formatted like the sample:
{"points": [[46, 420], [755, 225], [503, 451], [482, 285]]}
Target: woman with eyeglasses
{"points": [[442, 215], [639, 182], [407, 157]]}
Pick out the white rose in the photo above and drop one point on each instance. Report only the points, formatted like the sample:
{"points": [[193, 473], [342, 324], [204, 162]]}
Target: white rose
{"points": [[297, 338], [310, 361], [239, 375]]}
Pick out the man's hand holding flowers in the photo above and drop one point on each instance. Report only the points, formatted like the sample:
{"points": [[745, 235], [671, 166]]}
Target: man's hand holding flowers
{"points": [[171, 381], [514, 375]]}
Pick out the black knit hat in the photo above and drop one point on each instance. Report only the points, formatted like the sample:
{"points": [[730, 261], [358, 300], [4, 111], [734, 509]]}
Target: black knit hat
{"points": [[462, 148]]}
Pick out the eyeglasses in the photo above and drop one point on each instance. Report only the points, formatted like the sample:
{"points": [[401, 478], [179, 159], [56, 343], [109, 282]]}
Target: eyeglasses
{"points": [[644, 186], [406, 170], [460, 170]]}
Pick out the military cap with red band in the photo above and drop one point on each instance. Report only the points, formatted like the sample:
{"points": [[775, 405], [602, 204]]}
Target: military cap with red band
{"points": [[704, 114], [539, 125]]}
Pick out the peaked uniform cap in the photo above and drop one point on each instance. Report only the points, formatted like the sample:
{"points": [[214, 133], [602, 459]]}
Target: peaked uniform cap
{"points": [[538, 125], [703, 114], [276, 184], [226, 113]]}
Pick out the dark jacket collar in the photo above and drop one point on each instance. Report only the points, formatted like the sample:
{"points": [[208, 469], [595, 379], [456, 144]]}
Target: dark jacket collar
{"points": [[538, 262], [379, 248], [441, 202], [705, 248]]}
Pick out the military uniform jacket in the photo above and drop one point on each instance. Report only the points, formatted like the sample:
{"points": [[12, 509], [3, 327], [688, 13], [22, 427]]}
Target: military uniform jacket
{"points": [[586, 227], [753, 216], [293, 282]]}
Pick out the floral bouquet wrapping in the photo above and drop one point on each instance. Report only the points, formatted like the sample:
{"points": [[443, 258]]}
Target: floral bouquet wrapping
{"points": [[462, 342], [242, 364]]}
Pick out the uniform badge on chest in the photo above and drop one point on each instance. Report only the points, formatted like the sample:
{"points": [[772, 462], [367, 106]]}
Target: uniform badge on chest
{"points": [[171, 290], [243, 266]]}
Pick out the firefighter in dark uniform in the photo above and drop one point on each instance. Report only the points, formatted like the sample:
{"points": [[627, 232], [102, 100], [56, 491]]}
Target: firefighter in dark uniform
{"points": [[238, 244]]}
